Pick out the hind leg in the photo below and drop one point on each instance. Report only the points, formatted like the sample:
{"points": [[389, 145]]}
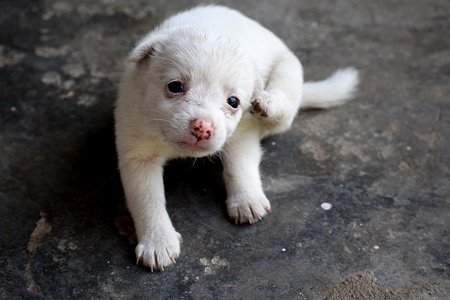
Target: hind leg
{"points": [[278, 101]]}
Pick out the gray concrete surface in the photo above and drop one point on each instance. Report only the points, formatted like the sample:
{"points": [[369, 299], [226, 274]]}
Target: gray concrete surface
{"points": [[382, 161]]}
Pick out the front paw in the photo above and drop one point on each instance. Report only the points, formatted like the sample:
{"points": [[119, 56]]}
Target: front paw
{"points": [[159, 248], [245, 209]]}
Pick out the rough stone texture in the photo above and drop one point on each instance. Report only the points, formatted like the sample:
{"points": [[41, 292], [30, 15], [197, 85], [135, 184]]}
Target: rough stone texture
{"points": [[382, 161]]}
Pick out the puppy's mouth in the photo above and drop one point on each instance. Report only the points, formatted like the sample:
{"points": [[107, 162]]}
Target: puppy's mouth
{"points": [[193, 147]]}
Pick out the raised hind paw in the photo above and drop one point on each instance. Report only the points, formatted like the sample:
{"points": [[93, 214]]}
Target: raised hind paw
{"points": [[261, 106]]}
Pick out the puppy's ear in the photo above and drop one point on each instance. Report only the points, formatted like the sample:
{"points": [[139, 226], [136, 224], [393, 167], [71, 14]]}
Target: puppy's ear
{"points": [[146, 47], [142, 52]]}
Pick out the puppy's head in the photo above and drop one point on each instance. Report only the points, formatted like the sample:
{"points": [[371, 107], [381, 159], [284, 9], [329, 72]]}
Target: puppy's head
{"points": [[194, 88]]}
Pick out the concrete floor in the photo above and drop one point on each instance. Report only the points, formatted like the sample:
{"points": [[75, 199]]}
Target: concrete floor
{"points": [[382, 161]]}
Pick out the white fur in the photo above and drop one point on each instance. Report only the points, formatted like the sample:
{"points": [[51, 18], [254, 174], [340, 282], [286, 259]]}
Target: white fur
{"points": [[216, 53], [335, 90]]}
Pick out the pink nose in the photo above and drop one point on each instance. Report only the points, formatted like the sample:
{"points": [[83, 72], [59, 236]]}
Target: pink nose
{"points": [[201, 129]]}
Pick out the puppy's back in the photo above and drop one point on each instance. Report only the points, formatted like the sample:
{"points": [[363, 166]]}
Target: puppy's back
{"points": [[261, 44]]}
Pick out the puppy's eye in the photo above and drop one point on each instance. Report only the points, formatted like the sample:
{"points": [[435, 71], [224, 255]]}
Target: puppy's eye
{"points": [[233, 102], [176, 87]]}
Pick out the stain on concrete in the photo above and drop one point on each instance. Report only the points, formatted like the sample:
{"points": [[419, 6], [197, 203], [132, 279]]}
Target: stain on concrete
{"points": [[9, 57], [364, 286], [315, 149], [43, 228], [211, 265]]}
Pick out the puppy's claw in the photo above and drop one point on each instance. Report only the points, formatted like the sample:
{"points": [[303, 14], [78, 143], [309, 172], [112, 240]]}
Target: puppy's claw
{"points": [[256, 106], [172, 259], [138, 256]]}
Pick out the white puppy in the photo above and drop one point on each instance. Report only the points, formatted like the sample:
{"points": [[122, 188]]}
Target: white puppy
{"points": [[207, 81]]}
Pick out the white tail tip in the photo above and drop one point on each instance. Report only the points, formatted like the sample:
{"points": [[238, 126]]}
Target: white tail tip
{"points": [[335, 90]]}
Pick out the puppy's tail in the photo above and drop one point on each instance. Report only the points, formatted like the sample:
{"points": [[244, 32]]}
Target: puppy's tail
{"points": [[335, 90]]}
